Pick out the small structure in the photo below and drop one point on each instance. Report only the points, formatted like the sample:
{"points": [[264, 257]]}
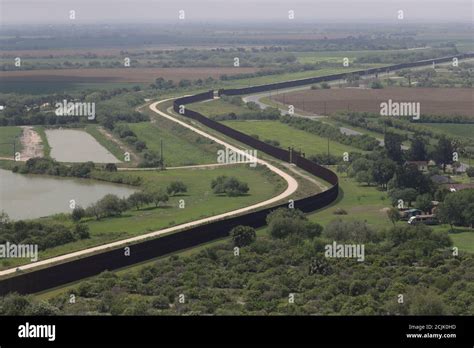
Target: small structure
{"points": [[422, 166], [459, 187], [442, 179]]}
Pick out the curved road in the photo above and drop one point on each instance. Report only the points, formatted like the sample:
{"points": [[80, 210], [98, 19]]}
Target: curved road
{"points": [[291, 188]]}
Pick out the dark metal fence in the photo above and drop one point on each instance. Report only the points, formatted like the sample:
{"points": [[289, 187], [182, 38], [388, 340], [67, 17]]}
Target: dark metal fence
{"points": [[74, 270]]}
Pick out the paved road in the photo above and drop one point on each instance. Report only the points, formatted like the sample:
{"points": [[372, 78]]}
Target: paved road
{"points": [[292, 186]]}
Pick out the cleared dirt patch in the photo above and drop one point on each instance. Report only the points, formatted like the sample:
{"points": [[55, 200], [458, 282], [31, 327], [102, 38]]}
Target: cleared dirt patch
{"points": [[31, 144], [433, 101], [139, 75]]}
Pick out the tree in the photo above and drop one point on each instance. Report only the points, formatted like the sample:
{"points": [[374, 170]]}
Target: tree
{"points": [[376, 84], [111, 205], [468, 215], [470, 172], [417, 150], [355, 231], [81, 231], [426, 302], [176, 187], [393, 146], [457, 208], [407, 195], [231, 186], [443, 152], [286, 222], [424, 203], [449, 211], [94, 210], [243, 236], [137, 199], [110, 167], [364, 176], [393, 215], [78, 213], [383, 170], [159, 197]]}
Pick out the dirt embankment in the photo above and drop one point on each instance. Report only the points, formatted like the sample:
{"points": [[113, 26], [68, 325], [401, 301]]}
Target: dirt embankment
{"points": [[32, 145]]}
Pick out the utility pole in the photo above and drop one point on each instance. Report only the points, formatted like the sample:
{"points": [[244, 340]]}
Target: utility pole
{"points": [[328, 149], [161, 155]]}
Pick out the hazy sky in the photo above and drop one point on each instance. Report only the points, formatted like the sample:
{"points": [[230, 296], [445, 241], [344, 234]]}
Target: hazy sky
{"points": [[135, 11]]}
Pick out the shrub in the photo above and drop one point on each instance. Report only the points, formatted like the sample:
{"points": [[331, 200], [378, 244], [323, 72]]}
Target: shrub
{"points": [[243, 236], [176, 187], [231, 186]]}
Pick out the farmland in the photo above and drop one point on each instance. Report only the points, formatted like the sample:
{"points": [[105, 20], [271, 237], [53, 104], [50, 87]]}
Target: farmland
{"points": [[433, 101], [118, 75], [455, 130]]}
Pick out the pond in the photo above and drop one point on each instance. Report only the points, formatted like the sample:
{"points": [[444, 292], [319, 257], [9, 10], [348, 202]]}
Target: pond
{"points": [[33, 196], [72, 145]]}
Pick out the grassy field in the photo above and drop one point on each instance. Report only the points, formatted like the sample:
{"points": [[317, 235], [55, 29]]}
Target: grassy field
{"points": [[7, 136], [40, 88], [457, 130], [463, 239], [288, 136], [361, 203], [216, 108], [199, 201], [181, 146]]}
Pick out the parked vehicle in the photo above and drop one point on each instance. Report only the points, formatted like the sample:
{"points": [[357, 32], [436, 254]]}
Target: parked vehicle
{"points": [[409, 213], [423, 219]]}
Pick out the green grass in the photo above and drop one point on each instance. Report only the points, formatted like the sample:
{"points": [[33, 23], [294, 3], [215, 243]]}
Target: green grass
{"points": [[288, 136], [361, 203], [7, 136], [199, 201], [181, 146], [44, 140], [463, 239], [453, 129], [42, 88], [217, 107]]}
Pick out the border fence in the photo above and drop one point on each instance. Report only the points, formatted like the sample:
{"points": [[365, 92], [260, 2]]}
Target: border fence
{"points": [[70, 271]]}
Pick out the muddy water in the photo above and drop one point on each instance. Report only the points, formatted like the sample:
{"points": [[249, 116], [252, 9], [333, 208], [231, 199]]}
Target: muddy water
{"points": [[72, 145], [33, 196]]}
